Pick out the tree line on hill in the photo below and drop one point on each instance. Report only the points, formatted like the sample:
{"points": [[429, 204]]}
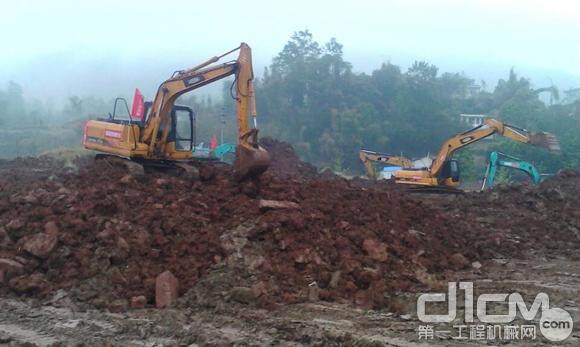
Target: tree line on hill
{"points": [[311, 97]]}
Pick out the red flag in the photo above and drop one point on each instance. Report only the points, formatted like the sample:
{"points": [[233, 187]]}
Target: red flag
{"points": [[213, 143], [138, 106]]}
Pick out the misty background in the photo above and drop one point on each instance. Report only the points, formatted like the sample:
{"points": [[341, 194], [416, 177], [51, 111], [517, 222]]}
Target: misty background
{"points": [[332, 76], [106, 48]]}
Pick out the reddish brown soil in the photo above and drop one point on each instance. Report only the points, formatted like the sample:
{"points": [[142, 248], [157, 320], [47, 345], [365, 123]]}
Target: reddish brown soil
{"points": [[285, 163], [528, 218], [115, 232]]}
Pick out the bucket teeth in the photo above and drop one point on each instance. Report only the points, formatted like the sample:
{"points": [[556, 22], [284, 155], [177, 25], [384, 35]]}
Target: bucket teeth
{"points": [[546, 140]]}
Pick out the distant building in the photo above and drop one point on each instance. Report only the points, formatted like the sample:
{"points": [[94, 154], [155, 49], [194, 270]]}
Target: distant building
{"points": [[473, 90], [469, 91], [472, 119], [571, 95]]}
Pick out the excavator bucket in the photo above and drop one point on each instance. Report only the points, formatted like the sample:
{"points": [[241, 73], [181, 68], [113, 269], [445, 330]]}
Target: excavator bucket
{"points": [[251, 159], [546, 140]]}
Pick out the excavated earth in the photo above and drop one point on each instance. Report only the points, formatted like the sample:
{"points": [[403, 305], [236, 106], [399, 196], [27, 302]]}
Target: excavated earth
{"points": [[91, 235], [105, 235]]}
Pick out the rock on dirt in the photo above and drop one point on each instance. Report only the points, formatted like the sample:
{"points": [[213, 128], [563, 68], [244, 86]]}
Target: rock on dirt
{"points": [[10, 268], [376, 250], [138, 302], [40, 244], [119, 305], [313, 292], [459, 262], [265, 205], [35, 283], [14, 224], [243, 295], [51, 228], [166, 290]]}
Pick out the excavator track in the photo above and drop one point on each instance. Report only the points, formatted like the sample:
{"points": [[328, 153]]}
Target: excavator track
{"points": [[133, 167], [434, 190], [138, 167]]}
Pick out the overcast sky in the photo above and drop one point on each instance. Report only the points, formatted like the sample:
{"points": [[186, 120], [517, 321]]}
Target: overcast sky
{"points": [[60, 47]]}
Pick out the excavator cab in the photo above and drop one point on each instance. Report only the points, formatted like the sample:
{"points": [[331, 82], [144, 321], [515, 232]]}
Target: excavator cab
{"points": [[119, 132], [183, 127], [182, 131], [450, 173]]}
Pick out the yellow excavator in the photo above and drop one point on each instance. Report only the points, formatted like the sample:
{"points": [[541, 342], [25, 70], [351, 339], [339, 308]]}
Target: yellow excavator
{"points": [[165, 135], [443, 174], [370, 159]]}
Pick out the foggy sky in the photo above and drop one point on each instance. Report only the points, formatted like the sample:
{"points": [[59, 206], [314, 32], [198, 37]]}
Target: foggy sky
{"points": [[59, 48]]}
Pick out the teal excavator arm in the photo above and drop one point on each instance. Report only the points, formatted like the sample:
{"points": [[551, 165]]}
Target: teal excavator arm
{"points": [[497, 159], [223, 149]]}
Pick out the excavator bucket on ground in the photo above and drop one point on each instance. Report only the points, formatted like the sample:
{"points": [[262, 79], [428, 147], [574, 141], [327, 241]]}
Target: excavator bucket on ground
{"points": [[546, 140], [251, 158]]}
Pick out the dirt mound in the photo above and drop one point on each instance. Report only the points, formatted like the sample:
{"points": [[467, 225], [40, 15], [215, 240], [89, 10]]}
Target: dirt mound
{"points": [[103, 236], [103, 224], [526, 218], [345, 242], [285, 162]]}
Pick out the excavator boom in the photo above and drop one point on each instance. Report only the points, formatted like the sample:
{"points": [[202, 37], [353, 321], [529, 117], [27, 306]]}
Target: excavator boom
{"points": [[499, 159], [489, 127]]}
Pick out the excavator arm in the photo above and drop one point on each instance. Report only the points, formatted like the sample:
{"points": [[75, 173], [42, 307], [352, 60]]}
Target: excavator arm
{"points": [[489, 127], [499, 159], [370, 157]]}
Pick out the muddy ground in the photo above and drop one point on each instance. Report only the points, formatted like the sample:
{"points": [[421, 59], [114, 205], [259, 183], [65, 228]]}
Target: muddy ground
{"points": [[318, 323], [298, 258]]}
